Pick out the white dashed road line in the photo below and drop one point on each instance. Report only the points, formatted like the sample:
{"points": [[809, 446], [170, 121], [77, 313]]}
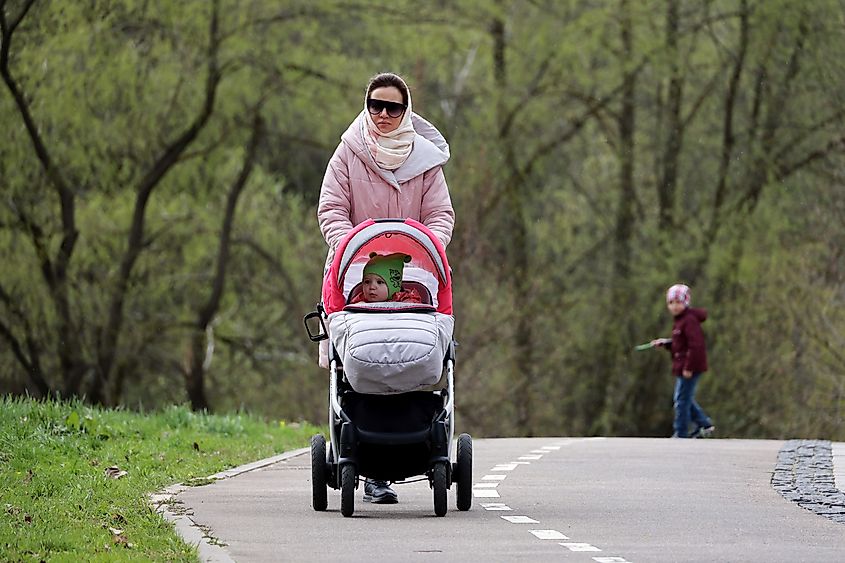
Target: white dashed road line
{"points": [[520, 520], [485, 489], [548, 535], [579, 547], [504, 467], [495, 506]]}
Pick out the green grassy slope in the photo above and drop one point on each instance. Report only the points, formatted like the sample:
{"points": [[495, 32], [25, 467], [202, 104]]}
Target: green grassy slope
{"points": [[75, 479]]}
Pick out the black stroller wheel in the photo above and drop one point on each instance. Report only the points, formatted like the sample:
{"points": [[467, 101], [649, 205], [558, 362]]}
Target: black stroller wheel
{"points": [[439, 485], [463, 472], [319, 495], [347, 489]]}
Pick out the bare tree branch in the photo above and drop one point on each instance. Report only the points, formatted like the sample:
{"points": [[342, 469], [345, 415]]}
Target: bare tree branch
{"points": [[213, 303], [200, 356], [530, 92], [519, 173], [37, 237], [110, 333], [66, 195], [728, 137], [667, 184], [29, 359], [277, 267], [785, 170], [833, 121], [54, 271], [773, 120]]}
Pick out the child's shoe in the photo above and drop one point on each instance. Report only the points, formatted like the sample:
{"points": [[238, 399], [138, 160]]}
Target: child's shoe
{"points": [[703, 431]]}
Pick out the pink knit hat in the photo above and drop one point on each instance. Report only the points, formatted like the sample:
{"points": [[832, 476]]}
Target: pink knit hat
{"points": [[678, 292]]}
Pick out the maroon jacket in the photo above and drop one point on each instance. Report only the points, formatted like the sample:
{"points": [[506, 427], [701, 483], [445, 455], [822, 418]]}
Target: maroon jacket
{"points": [[688, 349]]}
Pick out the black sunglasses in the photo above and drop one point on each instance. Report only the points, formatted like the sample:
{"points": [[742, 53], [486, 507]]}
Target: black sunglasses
{"points": [[394, 109]]}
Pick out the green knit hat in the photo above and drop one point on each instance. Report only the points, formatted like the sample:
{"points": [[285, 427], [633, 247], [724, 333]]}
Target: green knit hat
{"points": [[389, 268]]}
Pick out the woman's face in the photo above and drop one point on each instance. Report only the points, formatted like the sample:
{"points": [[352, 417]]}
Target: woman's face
{"points": [[382, 120]]}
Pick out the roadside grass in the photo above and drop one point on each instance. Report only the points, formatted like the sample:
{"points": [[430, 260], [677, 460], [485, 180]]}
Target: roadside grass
{"points": [[75, 480]]}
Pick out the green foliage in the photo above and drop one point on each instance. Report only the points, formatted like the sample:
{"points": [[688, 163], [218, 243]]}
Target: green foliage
{"points": [[76, 479], [552, 286]]}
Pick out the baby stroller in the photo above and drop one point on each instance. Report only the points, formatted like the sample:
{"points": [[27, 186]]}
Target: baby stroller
{"points": [[391, 372]]}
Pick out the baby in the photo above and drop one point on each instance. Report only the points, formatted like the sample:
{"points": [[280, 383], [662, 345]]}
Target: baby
{"points": [[382, 280]]}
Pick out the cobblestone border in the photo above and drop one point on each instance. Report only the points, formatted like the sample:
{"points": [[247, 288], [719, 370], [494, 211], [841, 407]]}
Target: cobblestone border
{"points": [[804, 475]]}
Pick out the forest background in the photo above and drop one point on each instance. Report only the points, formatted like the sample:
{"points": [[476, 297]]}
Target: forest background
{"points": [[160, 164]]}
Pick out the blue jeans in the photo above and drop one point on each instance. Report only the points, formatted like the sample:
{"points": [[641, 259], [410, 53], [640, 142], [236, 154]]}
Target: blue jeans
{"points": [[686, 409]]}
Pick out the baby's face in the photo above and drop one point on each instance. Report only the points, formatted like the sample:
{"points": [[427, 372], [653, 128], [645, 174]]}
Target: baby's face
{"points": [[374, 289]]}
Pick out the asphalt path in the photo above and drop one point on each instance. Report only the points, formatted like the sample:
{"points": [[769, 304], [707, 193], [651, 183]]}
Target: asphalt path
{"points": [[596, 500]]}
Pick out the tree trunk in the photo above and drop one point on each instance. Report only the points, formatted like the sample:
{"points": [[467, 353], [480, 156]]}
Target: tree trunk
{"points": [[612, 383], [667, 186], [201, 346], [517, 255], [54, 270], [109, 334]]}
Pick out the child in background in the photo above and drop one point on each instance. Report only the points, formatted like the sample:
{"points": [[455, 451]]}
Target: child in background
{"points": [[689, 361], [382, 280]]}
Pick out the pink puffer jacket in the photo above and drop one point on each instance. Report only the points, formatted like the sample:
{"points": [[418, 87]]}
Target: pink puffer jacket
{"points": [[355, 188]]}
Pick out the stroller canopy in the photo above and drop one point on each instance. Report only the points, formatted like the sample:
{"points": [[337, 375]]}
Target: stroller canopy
{"points": [[428, 263]]}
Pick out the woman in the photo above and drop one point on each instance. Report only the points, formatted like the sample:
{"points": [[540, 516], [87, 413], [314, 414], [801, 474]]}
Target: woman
{"points": [[389, 164]]}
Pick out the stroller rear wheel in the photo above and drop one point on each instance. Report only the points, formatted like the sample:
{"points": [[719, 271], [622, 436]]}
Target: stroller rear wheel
{"points": [[347, 489], [319, 496], [463, 472], [439, 484]]}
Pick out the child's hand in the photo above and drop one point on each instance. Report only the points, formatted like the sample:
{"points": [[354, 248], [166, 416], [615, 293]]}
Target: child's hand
{"points": [[687, 374]]}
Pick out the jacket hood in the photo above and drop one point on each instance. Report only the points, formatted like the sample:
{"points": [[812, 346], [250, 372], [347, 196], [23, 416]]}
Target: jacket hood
{"points": [[697, 312], [430, 150]]}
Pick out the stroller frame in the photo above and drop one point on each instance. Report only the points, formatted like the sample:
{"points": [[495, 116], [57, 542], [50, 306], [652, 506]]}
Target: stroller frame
{"points": [[390, 437], [337, 464]]}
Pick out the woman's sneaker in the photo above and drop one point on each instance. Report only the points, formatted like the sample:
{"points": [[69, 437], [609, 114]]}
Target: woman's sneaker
{"points": [[703, 432], [379, 492]]}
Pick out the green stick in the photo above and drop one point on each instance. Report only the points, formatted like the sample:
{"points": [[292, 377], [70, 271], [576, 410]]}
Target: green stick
{"points": [[647, 345]]}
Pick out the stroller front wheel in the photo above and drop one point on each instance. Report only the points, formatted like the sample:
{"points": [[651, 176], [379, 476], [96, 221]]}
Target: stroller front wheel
{"points": [[463, 472], [347, 489], [319, 496], [439, 484]]}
